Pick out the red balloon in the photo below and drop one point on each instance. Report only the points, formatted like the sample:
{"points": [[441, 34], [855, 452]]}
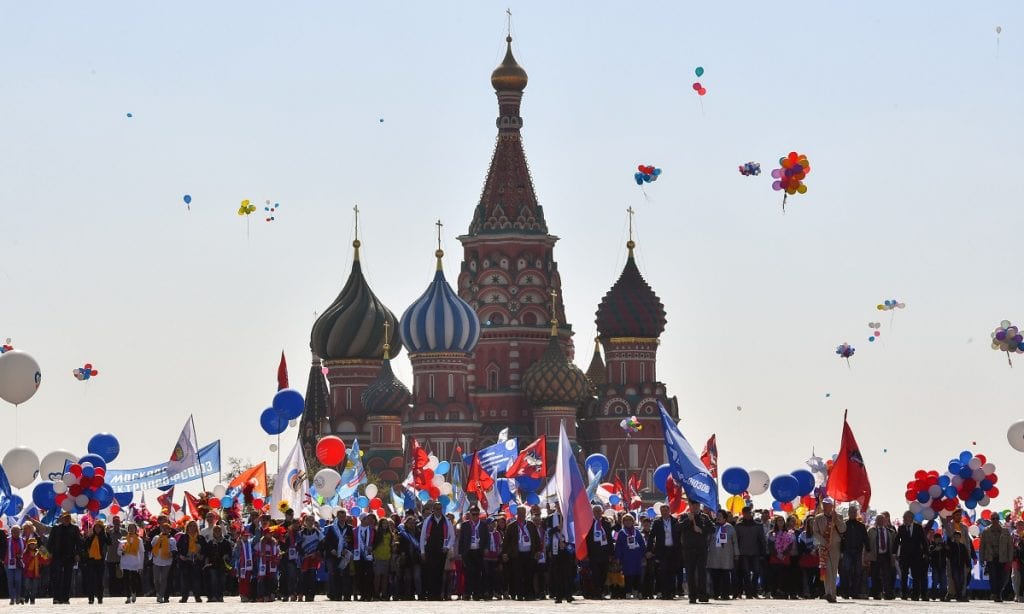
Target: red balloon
{"points": [[428, 475], [992, 492], [100, 472], [434, 492], [992, 478], [697, 86], [937, 505], [375, 503], [982, 458], [381, 512], [93, 505], [701, 92], [330, 450], [986, 515], [115, 509], [911, 494], [969, 484], [258, 503], [60, 498], [920, 474], [75, 470], [951, 504], [214, 502], [75, 489]]}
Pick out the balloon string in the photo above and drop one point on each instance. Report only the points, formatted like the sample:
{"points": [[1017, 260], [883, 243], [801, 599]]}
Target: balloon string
{"points": [[784, 196], [1009, 361]]}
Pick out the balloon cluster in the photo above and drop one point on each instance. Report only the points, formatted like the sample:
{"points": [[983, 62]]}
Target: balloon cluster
{"points": [[6, 346], [370, 503], [890, 304], [631, 425], [970, 479], [428, 479], [875, 332], [1007, 338], [845, 350], [288, 405], [85, 372], [697, 87], [246, 208], [82, 488], [270, 209], [789, 177], [646, 174], [750, 169]]}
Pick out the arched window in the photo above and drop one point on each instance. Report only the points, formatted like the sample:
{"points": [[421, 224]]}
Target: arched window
{"points": [[530, 318], [432, 388], [451, 385], [492, 380]]}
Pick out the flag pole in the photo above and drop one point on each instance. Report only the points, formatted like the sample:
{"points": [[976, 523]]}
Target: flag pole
{"points": [[199, 460]]}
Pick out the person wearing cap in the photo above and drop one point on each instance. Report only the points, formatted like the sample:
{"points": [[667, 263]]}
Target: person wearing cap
{"points": [[34, 560], [828, 534], [64, 545], [474, 539]]}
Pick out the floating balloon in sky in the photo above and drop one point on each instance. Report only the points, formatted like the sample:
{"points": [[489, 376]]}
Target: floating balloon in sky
{"points": [[700, 89], [699, 71], [875, 332], [1007, 338], [188, 201], [6, 346], [646, 174], [789, 177], [270, 209], [845, 350], [129, 115], [380, 121], [85, 372], [750, 169], [246, 208], [890, 305], [999, 29]]}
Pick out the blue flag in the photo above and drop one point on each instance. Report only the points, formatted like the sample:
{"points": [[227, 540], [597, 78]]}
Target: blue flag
{"points": [[354, 475], [5, 491], [495, 459], [687, 468]]}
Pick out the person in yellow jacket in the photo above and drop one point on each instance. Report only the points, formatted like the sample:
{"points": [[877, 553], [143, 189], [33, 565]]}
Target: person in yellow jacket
{"points": [[164, 548]]}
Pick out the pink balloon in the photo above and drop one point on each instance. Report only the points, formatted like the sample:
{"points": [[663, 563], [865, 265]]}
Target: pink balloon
{"points": [[324, 370]]}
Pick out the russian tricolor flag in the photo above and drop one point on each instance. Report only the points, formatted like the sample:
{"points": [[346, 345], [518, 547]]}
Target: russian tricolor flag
{"points": [[572, 496]]}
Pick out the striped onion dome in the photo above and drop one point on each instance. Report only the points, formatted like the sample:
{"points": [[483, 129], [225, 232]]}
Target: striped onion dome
{"points": [[353, 326], [440, 321]]}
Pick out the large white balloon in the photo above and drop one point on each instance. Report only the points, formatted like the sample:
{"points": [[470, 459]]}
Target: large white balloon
{"points": [[19, 376], [759, 482], [60, 487], [445, 488], [52, 466], [371, 490], [219, 491], [21, 465], [1015, 435], [326, 481]]}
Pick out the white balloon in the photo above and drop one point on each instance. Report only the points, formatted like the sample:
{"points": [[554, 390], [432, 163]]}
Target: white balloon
{"points": [[984, 501], [945, 513], [446, 488], [370, 490], [1015, 435], [432, 463], [438, 480], [69, 479], [928, 513], [21, 465], [81, 500], [934, 491], [52, 465], [974, 463], [293, 423], [759, 482], [326, 511], [326, 481], [989, 468], [978, 475], [273, 447], [68, 504], [973, 530], [915, 506], [60, 487], [19, 376], [219, 491], [957, 481]]}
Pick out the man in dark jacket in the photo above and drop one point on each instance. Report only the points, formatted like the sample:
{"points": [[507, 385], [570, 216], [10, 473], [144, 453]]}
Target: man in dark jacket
{"points": [[474, 539], [664, 548], [852, 566], [695, 529], [64, 543], [599, 550], [520, 548], [752, 545], [337, 547], [912, 552]]}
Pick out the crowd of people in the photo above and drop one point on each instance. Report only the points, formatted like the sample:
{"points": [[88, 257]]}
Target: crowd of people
{"points": [[427, 555]]}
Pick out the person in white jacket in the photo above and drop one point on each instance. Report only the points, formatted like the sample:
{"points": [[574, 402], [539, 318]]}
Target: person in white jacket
{"points": [[164, 549], [133, 554]]}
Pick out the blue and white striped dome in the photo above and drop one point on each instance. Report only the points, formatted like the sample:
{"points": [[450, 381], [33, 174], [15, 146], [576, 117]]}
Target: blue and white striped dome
{"points": [[440, 321]]}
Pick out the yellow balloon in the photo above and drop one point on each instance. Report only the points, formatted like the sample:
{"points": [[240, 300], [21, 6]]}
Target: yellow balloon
{"points": [[801, 188], [245, 203], [735, 504]]}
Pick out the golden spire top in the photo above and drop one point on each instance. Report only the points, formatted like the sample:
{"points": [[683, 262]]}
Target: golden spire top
{"points": [[509, 75], [630, 244], [440, 252], [597, 344], [554, 313], [387, 337], [356, 243]]}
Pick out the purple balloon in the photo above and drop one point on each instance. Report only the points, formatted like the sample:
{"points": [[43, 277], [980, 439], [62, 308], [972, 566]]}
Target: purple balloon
{"points": [[777, 173], [1001, 334], [776, 185]]}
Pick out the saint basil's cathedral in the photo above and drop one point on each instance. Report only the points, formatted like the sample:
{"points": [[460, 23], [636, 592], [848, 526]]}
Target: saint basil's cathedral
{"points": [[494, 351]]}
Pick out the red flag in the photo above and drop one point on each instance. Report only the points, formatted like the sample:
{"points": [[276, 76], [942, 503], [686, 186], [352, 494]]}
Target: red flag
{"points": [[193, 505], [419, 458], [848, 479], [479, 481], [532, 462], [166, 500], [282, 374], [634, 491], [674, 494], [710, 456], [619, 490]]}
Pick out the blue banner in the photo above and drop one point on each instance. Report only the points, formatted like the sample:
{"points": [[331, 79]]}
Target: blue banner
{"points": [[495, 459], [687, 468], [155, 476]]}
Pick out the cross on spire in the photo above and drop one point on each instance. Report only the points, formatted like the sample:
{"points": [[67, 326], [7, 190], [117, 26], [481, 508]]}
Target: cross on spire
{"points": [[554, 312], [355, 242], [387, 338], [508, 12], [630, 244], [355, 210], [439, 226]]}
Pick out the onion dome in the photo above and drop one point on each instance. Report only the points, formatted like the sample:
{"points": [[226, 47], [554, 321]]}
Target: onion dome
{"points": [[509, 75], [386, 395], [440, 321], [353, 326], [630, 308], [596, 372], [554, 381]]}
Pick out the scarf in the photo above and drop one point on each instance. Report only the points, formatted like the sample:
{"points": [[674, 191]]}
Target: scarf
{"points": [[783, 541], [94, 547], [823, 548], [193, 545], [412, 539], [162, 547], [245, 556], [131, 545]]}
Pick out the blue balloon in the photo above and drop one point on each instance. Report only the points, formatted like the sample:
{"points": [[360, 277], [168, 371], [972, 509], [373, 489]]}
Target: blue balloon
{"points": [[105, 445], [357, 511], [43, 496], [15, 506], [735, 480], [597, 464], [918, 517], [954, 466], [977, 494], [614, 500], [289, 403], [965, 457], [661, 474], [651, 513], [777, 506], [527, 484], [363, 501], [226, 502], [985, 484], [784, 487], [273, 422], [445, 501], [966, 472], [944, 481], [504, 490], [188, 199], [442, 468], [512, 507], [922, 496], [104, 495], [639, 178], [423, 495], [124, 499], [533, 498], [88, 472], [970, 504], [805, 479], [950, 492], [95, 459]]}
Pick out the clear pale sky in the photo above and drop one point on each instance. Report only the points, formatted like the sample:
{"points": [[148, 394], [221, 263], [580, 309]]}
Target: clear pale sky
{"points": [[910, 114]]}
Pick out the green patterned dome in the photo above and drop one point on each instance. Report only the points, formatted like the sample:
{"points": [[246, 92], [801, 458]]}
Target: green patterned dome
{"points": [[554, 381]]}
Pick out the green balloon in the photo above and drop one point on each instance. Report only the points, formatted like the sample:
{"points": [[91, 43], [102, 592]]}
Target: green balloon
{"points": [[700, 71]]}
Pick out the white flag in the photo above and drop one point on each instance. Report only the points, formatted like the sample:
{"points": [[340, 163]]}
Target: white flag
{"points": [[291, 483], [503, 435], [186, 451]]}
